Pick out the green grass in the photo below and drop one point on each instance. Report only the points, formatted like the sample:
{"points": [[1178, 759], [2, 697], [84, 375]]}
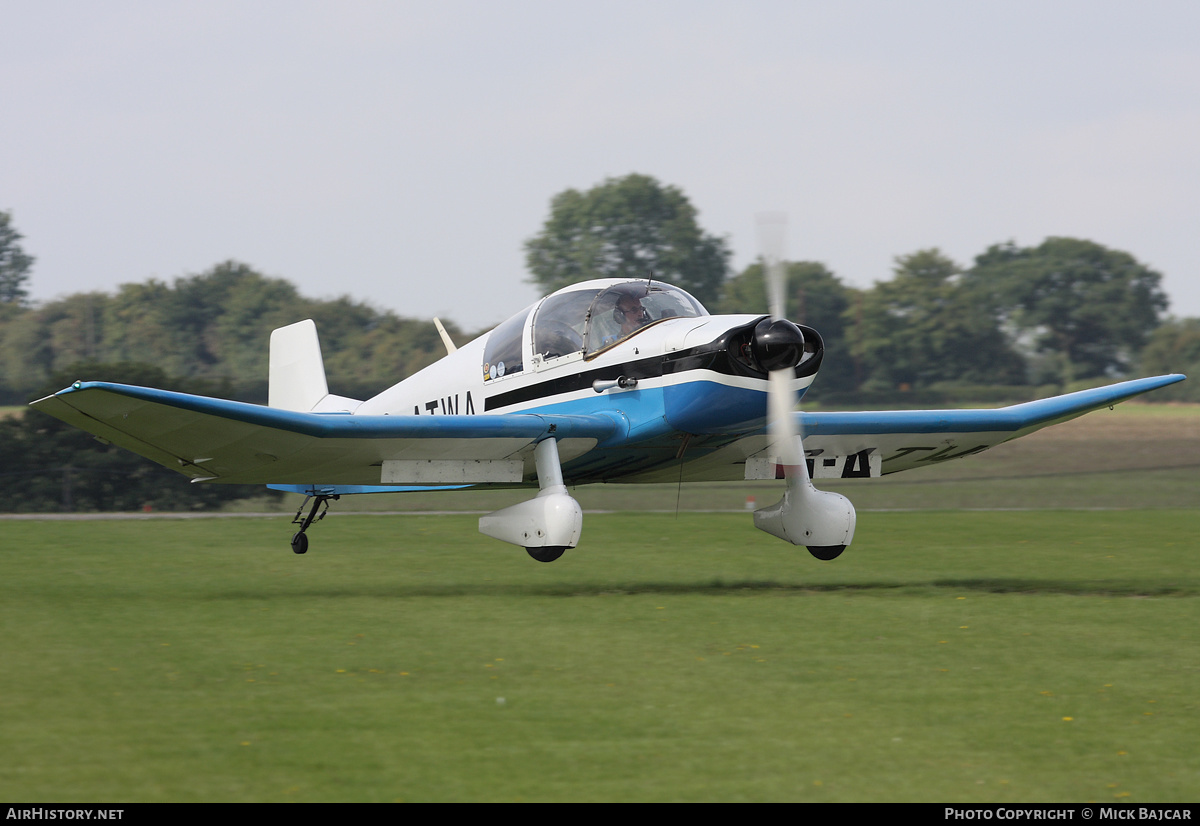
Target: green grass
{"points": [[1002, 657]]}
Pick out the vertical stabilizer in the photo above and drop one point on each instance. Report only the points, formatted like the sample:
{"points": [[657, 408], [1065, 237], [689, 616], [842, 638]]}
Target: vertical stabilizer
{"points": [[297, 377]]}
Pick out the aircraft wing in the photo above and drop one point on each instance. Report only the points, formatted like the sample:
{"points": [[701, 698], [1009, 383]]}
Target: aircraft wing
{"points": [[874, 443], [224, 441]]}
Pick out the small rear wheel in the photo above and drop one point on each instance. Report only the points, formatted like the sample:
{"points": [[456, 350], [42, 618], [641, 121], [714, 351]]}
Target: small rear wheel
{"points": [[547, 554]]}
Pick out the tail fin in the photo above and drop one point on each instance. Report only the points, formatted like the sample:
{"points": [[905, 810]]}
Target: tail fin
{"points": [[297, 377]]}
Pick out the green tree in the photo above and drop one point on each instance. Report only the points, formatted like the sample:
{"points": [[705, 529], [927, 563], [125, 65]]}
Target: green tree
{"points": [[813, 296], [211, 331], [14, 263], [627, 227], [923, 327], [1093, 308], [1175, 348]]}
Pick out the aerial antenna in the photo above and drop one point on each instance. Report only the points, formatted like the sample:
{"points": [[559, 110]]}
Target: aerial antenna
{"points": [[446, 340]]}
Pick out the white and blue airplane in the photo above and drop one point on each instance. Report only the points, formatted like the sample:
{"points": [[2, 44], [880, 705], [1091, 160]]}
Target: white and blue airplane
{"points": [[616, 380]]}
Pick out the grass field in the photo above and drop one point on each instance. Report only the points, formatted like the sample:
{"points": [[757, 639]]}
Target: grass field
{"points": [[948, 655]]}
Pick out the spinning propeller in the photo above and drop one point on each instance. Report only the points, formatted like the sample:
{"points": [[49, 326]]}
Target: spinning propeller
{"points": [[823, 521]]}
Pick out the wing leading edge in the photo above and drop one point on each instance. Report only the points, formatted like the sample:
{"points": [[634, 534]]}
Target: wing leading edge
{"points": [[912, 438], [235, 442]]}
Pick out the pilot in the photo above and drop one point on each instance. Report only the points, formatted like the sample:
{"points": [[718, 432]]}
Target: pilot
{"points": [[631, 315]]}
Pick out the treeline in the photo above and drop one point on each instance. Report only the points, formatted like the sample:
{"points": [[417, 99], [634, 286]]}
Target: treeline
{"points": [[1015, 323], [206, 334], [209, 331], [1018, 323]]}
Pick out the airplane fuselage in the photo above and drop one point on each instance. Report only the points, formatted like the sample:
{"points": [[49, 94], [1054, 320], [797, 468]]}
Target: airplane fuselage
{"points": [[681, 385]]}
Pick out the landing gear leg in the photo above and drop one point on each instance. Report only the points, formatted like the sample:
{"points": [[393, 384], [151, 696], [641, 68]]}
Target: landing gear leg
{"points": [[320, 502], [546, 525]]}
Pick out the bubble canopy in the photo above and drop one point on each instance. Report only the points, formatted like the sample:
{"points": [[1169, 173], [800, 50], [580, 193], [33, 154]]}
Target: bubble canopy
{"points": [[596, 318], [588, 318]]}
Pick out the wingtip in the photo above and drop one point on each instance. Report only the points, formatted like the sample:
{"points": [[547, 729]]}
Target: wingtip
{"points": [[1155, 382]]}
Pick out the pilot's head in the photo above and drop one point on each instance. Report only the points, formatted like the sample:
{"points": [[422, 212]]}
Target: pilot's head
{"points": [[630, 313]]}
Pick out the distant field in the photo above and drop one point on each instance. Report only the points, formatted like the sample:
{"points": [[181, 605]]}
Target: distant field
{"points": [[947, 656]]}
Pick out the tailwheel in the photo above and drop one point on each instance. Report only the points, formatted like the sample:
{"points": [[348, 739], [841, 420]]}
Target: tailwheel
{"points": [[547, 554], [320, 502]]}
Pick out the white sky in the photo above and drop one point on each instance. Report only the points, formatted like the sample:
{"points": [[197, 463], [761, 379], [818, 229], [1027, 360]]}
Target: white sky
{"points": [[402, 152]]}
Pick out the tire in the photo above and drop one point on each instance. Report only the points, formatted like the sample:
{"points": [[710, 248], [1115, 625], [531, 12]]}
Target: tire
{"points": [[547, 554]]}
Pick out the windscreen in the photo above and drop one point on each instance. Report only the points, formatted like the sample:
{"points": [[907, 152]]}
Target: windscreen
{"points": [[502, 355], [624, 309], [561, 322]]}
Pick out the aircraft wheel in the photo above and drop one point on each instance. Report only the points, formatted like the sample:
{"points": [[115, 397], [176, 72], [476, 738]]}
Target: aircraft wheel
{"points": [[300, 543], [826, 552], [547, 554]]}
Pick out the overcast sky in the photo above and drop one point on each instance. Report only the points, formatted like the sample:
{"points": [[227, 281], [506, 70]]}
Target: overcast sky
{"points": [[402, 152]]}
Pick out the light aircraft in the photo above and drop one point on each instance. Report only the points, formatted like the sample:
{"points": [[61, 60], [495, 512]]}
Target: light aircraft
{"points": [[616, 380]]}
